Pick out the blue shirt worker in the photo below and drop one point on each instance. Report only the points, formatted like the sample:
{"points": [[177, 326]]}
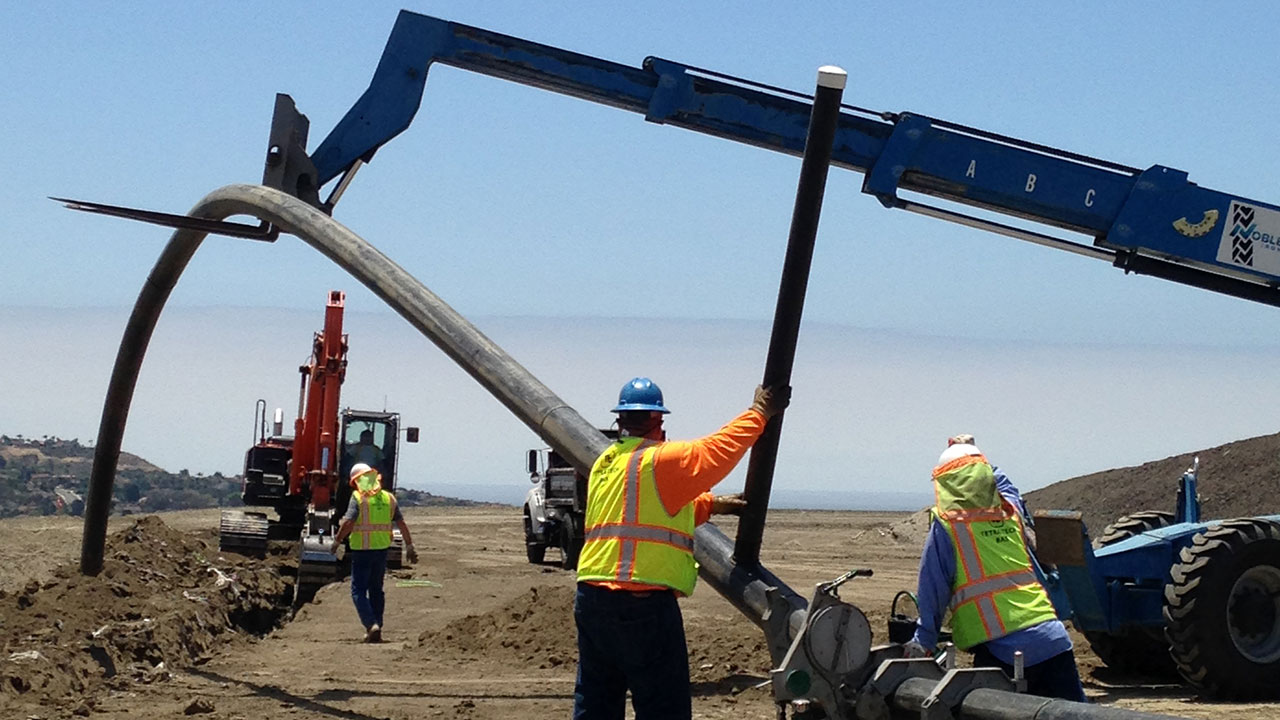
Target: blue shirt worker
{"points": [[977, 563], [644, 497], [368, 522]]}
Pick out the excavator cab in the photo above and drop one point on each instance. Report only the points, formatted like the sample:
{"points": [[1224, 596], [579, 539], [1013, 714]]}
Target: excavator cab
{"points": [[372, 438]]}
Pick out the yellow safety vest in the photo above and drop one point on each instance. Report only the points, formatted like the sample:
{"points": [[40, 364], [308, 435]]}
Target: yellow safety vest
{"points": [[629, 535], [995, 591], [373, 525]]}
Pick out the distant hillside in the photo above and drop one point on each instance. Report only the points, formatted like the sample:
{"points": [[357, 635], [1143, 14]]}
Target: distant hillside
{"points": [[51, 475], [1238, 479]]}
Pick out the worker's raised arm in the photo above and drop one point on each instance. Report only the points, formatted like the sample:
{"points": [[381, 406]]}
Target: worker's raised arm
{"points": [[683, 470]]}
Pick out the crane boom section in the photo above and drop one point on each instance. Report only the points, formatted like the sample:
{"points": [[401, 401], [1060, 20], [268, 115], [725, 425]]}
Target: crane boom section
{"points": [[1152, 221]]}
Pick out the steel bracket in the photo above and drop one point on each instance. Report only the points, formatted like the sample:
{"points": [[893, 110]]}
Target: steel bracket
{"points": [[288, 167], [872, 702], [947, 695]]}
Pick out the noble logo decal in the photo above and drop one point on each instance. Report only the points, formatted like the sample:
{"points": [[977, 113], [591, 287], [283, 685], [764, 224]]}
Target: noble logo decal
{"points": [[1242, 227], [1250, 238]]}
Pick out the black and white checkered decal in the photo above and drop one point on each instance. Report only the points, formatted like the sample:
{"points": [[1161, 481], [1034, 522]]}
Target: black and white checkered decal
{"points": [[1251, 238]]}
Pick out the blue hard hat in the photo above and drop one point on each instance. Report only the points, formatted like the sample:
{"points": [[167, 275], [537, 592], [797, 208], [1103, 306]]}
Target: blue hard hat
{"points": [[640, 394]]}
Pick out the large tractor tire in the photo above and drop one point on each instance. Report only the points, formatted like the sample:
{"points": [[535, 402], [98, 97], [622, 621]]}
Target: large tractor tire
{"points": [[1138, 651], [1135, 524], [1222, 610], [533, 549]]}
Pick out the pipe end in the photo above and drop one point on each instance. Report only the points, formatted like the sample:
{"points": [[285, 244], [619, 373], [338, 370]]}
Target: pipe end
{"points": [[830, 76]]}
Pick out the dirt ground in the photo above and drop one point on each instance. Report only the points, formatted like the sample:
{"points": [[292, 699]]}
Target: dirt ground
{"points": [[479, 632]]}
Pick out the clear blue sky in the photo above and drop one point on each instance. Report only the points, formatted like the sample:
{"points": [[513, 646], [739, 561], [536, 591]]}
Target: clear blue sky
{"points": [[508, 200]]}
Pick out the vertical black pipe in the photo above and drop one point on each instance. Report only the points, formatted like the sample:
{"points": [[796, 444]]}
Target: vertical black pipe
{"points": [[786, 317]]}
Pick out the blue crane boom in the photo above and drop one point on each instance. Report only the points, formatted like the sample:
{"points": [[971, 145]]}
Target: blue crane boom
{"points": [[1154, 221]]}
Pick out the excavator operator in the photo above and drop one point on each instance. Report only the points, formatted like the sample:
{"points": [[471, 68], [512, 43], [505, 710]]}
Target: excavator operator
{"points": [[367, 451]]}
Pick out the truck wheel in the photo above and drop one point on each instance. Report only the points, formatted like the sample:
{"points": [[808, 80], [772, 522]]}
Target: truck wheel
{"points": [[570, 543], [1139, 650], [533, 549], [1222, 610]]}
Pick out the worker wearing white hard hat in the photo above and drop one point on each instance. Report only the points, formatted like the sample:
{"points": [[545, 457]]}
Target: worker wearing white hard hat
{"points": [[977, 562], [367, 528]]}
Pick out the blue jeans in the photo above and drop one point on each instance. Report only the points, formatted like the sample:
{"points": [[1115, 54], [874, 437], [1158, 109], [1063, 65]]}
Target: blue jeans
{"points": [[1056, 677], [630, 641], [367, 569]]}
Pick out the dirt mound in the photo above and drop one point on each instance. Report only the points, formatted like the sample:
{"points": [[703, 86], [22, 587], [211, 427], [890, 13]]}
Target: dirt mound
{"points": [[911, 530], [1236, 480], [163, 600], [726, 657], [537, 628]]}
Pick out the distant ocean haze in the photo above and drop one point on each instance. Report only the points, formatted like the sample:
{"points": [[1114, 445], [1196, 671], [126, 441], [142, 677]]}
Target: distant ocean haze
{"points": [[870, 413]]}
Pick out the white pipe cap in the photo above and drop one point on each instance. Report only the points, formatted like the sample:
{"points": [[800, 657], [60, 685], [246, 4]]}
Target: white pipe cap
{"points": [[830, 76]]}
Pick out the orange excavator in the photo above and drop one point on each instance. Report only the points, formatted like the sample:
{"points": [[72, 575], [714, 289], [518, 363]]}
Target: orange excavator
{"points": [[302, 478]]}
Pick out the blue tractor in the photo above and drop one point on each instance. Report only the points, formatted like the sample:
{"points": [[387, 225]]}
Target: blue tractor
{"points": [[1160, 592]]}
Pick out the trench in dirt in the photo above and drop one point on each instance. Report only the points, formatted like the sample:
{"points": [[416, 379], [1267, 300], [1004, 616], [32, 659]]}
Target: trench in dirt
{"points": [[165, 600]]}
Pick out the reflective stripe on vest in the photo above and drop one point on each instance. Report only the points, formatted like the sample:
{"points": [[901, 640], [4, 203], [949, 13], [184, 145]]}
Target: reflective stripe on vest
{"points": [[636, 532], [995, 591], [629, 535], [372, 530]]}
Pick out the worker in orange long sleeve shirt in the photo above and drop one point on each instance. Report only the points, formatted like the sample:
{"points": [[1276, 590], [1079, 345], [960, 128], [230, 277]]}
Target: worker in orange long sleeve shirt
{"points": [[644, 497]]}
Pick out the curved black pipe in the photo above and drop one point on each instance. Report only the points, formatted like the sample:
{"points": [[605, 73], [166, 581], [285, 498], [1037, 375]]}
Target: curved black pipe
{"points": [[546, 414], [124, 376]]}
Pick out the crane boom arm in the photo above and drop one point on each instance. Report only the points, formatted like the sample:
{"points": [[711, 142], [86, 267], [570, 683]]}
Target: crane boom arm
{"points": [[1152, 221]]}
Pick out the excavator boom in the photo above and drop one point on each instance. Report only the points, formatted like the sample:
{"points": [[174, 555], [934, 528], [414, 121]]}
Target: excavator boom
{"points": [[317, 432]]}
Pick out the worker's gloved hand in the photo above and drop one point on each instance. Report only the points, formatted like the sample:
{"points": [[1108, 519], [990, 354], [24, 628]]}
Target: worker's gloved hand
{"points": [[411, 554], [914, 649], [728, 504], [771, 400], [333, 547]]}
